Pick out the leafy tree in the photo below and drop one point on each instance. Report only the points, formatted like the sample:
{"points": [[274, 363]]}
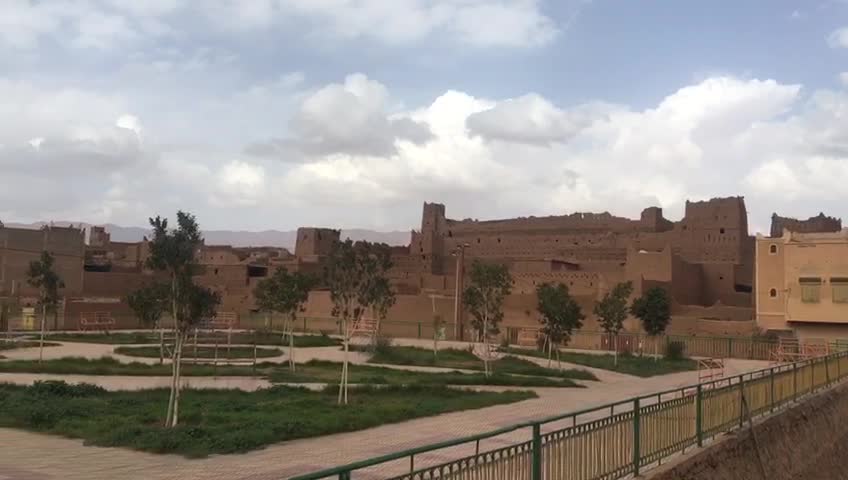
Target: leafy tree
{"points": [[483, 298], [653, 308], [356, 276], [612, 310], [149, 303], [560, 315], [41, 275], [285, 293], [173, 251]]}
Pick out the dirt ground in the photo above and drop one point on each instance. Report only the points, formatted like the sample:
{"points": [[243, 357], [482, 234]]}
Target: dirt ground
{"points": [[806, 442]]}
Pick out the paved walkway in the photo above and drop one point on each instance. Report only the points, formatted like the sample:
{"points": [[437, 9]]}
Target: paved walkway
{"points": [[23, 457]]}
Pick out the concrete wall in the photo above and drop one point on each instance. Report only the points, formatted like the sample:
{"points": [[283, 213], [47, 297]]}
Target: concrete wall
{"points": [[805, 442]]}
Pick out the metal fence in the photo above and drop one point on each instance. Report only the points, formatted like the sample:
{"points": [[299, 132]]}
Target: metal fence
{"points": [[611, 441]]}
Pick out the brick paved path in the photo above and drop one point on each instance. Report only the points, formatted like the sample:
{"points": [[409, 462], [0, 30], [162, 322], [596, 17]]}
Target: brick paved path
{"points": [[31, 456]]}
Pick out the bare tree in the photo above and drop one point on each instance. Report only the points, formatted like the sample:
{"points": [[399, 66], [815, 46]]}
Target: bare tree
{"points": [[490, 284], [41, 274], [173, 251], [355, 274], [284, 293], [149, 303], [560, 316], [612, 310]]}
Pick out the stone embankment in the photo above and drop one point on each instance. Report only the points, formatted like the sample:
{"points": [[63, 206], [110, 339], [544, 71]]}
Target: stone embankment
{"points": [[806, 442]]}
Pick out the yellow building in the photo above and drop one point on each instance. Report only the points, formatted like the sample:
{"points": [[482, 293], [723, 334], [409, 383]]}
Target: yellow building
{"points": [[802, 284]]}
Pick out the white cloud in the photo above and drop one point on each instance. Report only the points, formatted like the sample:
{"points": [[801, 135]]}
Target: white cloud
{"points": [[843, 77], [528, 119], [838, 38], [784, 150], [353, 118], [240, 184], [108, 23], [721, 136]]}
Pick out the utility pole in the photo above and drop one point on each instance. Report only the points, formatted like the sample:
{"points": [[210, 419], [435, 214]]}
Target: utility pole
{"points": [[459, 253]]}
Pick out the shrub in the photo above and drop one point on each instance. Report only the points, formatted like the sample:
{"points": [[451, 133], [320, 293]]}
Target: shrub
{"points": [[58, 388], [383, 344], [675, 351], [505, 342]]}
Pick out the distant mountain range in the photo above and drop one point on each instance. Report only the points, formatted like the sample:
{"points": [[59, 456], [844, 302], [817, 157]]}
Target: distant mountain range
{"points": [[238, 238]]}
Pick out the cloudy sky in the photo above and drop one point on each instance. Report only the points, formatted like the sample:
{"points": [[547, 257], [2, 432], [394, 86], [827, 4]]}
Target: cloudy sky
{"points": [[272, 114]]}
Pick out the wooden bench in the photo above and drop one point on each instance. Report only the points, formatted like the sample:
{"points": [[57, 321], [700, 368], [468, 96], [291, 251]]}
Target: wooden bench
{"points": [[528, 337], [221, 321], [96, 321]]}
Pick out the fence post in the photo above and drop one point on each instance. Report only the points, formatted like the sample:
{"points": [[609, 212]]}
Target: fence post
{"points": [[537, 452], [637, 454], [826, 370], [419, 330], [730, 347], [795, 381], [699, 419], [741, 396], [304, 324], [771, 376]]}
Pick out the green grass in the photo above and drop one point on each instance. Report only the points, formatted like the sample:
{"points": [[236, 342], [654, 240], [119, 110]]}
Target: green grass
{"points": [[223, 421], [463, 359], [314, 371], [320, 371], [24, 344], [122, 338], [243, 338], [111, 366], [203, 352], [629, 364]]}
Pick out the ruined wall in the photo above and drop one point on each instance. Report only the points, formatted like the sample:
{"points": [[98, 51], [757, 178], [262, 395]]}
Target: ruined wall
{"points": [[315, 241], [115, 284], [18, 247], [687, 282], [817, 224]]}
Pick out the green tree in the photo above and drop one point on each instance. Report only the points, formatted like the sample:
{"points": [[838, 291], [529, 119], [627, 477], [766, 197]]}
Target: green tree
{"points": [[42, 275], [285, 293], [173, 251], [612, 310], [149, 303], [356, 276], [489, 285], [653, 308], [560, 315]]}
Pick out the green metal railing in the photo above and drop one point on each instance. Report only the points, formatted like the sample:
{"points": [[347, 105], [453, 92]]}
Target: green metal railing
{"points": [[610, 441]]}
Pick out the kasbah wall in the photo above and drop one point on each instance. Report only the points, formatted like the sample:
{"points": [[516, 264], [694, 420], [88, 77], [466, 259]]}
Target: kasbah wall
{"points": [[705, 261]]}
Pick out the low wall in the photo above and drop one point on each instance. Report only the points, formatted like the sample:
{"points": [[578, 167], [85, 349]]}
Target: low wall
{"points": [[806, 441]]}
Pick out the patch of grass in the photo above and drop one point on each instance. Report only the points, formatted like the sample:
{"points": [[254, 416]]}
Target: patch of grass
{"points": [[111, 366], [463, 359], [243, 338], [24, 344], [116, 338], [205, 352], [320, 371], [627, 363], [223, 421]]}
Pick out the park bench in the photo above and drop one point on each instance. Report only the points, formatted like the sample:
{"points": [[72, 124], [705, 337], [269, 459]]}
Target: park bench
{"points": [[96, 321], [528, 337]]}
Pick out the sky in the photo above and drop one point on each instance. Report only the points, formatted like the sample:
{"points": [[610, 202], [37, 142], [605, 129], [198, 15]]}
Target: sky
{"points": [[274, 114]]}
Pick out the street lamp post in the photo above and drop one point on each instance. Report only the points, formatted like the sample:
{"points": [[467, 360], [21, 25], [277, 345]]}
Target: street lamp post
{"points": [[459, 253]]}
